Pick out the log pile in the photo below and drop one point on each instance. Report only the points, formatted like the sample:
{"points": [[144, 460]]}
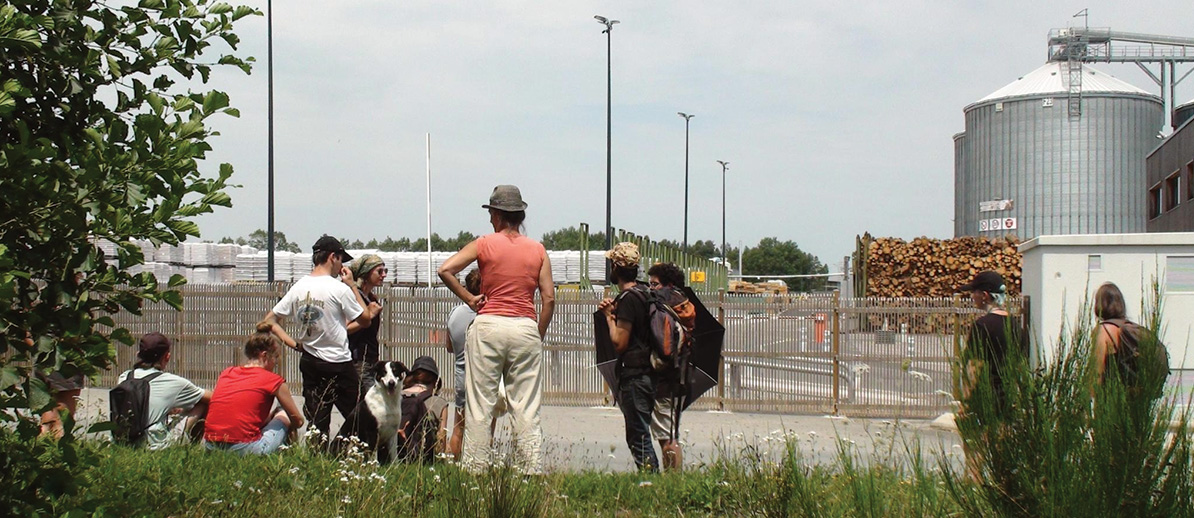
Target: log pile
{"points": [[777, 288], [927, 267]]}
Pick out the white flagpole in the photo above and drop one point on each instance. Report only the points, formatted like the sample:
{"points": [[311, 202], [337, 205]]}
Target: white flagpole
{"points": [[430, 272]]}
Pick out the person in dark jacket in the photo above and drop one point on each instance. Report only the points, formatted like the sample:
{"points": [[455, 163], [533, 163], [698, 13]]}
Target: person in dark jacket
{"points": [[627, 317]]}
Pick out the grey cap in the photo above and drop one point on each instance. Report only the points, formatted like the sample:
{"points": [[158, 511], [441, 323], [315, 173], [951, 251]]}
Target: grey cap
{"points": [[507, 198]]}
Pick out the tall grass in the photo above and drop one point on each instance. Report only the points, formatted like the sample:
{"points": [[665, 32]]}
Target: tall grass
{"points": [[1062, 446], [1065, 445]]}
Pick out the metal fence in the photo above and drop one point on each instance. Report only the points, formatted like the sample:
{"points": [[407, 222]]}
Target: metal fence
{"points": [[795, 353]]}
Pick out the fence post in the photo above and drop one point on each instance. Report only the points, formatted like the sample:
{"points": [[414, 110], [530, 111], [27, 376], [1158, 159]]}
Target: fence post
{"points": [[721, 362], [837, 349]]}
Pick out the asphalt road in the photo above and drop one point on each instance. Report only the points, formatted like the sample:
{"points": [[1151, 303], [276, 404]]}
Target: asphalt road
{"points": [[583, 438]]}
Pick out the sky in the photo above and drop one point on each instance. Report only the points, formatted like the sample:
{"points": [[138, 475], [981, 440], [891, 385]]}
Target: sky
{"points": [[836, 118]]}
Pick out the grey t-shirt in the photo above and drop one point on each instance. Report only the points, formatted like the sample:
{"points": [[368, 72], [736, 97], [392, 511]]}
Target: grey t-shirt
{"points": [[458, 321], [166, 392]]}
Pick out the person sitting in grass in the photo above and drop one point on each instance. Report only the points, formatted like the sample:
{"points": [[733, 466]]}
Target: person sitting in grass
{"points": [[240, 419], [169, 393], [421, 433]]}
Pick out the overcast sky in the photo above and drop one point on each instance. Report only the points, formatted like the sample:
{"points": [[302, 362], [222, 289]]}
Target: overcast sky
{"points": [[836, 117]]}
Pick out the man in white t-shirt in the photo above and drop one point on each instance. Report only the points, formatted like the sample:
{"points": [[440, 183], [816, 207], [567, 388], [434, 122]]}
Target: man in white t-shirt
{"points": [[168, 392], [328, 306]]}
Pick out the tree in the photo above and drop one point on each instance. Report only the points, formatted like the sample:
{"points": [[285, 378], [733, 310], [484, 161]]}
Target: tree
{"points": [[773, 257], [704, 249], [259, 239], [97, 143], [569, 238]]}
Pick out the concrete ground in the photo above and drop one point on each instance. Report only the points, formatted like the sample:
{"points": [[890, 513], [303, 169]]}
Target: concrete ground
{"points": [[593, 438]]}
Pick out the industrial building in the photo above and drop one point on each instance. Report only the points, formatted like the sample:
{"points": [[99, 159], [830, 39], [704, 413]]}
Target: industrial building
{"points": [[1062, 149], [1171, 177]]}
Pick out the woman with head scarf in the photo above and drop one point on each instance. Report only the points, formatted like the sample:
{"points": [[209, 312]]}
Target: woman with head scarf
{"points": [[370, 272], [505, 341]]}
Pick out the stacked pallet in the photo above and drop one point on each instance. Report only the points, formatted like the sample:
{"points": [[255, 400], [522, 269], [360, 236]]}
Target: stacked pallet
{"points": [[927, 267]]}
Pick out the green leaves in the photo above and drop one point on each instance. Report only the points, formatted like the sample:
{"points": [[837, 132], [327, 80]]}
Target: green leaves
{"points": [[76, 168]]}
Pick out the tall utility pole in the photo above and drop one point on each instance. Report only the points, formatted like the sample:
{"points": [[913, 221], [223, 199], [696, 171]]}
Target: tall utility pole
{"points": [[687, 118], [609, 29], [724, 252], [269, 240]]}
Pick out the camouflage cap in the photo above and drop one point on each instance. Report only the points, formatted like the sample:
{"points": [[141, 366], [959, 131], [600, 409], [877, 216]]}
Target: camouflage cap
{"points": [[624, 254]]}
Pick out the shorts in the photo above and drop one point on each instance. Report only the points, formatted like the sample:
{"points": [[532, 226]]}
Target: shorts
{"points": [[661, 419]]}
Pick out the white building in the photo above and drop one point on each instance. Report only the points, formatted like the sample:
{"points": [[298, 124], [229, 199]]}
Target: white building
{"points": [[1061, 272]]}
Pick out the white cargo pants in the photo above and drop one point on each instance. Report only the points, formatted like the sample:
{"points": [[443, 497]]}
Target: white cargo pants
{"points": [[500, 347]]}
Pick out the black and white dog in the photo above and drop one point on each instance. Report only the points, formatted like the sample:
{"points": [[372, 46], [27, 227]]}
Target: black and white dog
{"points": [[375, 420]]}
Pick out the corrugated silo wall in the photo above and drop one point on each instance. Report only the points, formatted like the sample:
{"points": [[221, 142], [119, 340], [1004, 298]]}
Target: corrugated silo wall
{"points": [[1066, 176], [1182, 114]]}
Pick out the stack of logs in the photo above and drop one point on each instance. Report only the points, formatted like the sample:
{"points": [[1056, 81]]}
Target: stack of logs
{"points": [[927, 267]]}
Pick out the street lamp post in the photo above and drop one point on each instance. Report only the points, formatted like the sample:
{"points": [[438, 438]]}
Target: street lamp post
{"points": [[609, 28], [269, 240], [687, 118], [724, 252]]}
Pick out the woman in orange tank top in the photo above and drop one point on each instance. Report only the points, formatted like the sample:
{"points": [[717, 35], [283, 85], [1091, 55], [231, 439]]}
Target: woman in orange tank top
{"points": [[505, 341]]}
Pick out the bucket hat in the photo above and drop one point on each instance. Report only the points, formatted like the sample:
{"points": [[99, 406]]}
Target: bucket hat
{"points": [[506, 198]]}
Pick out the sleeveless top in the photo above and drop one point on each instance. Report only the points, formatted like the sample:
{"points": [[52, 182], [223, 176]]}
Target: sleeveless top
{"points": [[509, 274]]}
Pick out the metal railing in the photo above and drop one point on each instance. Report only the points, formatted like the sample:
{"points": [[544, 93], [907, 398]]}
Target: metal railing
{"points": [[794, 353]]}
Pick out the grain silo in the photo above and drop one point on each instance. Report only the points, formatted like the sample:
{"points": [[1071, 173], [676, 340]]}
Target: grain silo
{"points": [[1040, 160], [1183, 113]]}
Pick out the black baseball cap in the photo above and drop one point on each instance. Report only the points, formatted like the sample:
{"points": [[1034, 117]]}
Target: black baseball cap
{"points": [[153, 346], [330, 244], [987, 281], [426, 363]]}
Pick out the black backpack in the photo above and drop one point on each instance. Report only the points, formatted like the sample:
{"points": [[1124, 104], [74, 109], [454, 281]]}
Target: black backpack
{"points": [[669, 334], [128, 404], [420, 425], [1131, 359]]}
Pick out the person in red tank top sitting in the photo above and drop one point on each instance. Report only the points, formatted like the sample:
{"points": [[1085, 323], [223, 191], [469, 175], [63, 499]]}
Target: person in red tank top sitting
{"points": [[505, 341], [239, 418]]}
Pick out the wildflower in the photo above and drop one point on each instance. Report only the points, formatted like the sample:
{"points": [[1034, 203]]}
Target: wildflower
{"points": [[437, 478], [645, 483], [346, 499], [724, 483], [294, 470], [238, 484]]}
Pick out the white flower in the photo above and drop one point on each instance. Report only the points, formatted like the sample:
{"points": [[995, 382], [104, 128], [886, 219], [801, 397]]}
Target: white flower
{"points": [[346, 499], [343, 479], [437, 478], [294, 470], [921, 376], [724, 483], [645, 483], [238, 484]]}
